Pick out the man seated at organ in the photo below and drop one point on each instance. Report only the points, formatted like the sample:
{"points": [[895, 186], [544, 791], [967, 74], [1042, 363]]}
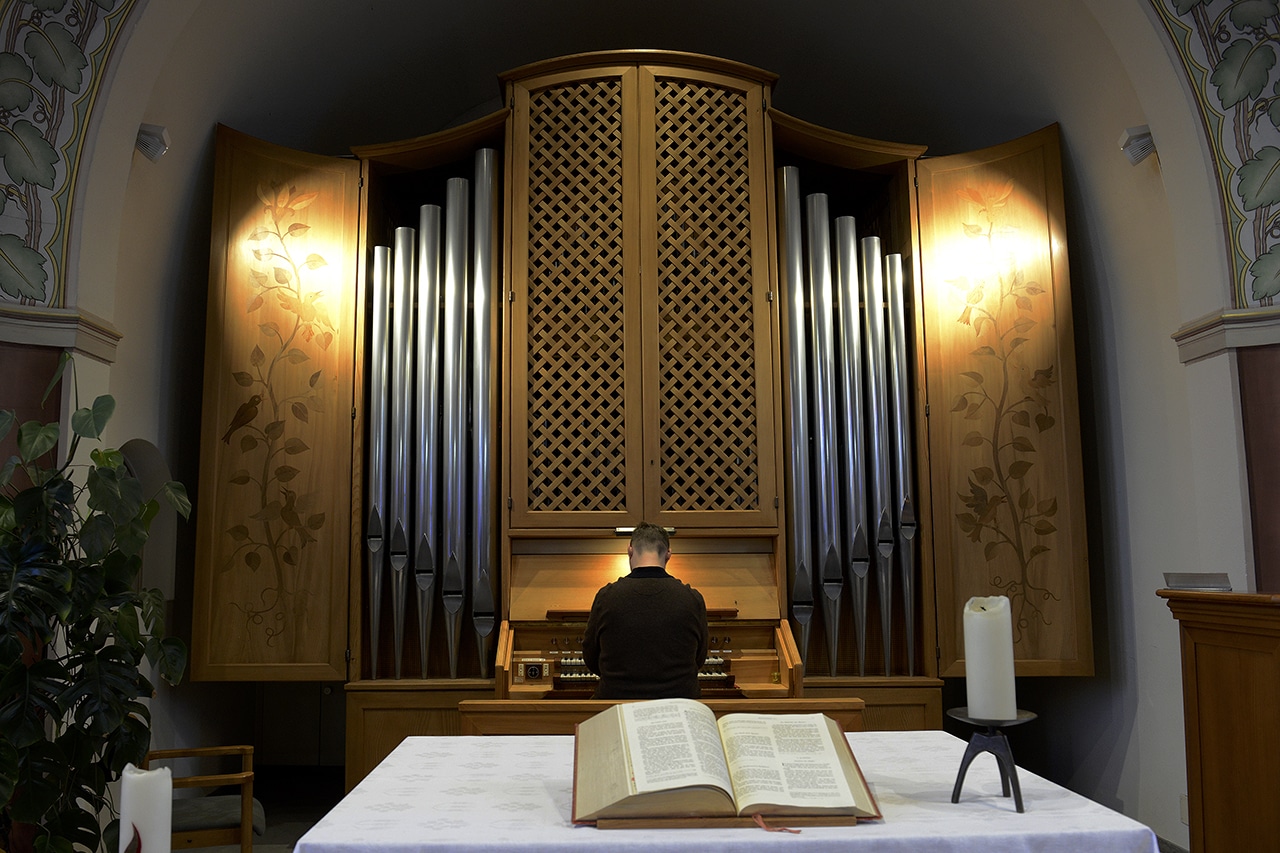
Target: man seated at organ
{"points": [[647, 634]]}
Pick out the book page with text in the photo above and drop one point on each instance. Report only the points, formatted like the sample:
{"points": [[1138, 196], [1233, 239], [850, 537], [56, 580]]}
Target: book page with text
{"points": [[786, 760], [674, 743]]}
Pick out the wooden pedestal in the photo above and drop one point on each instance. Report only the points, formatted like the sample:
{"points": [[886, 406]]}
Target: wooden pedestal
{"points": [[1231, 702]]}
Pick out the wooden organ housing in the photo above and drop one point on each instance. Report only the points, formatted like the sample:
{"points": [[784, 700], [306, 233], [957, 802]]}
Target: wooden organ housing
{"points": [[639, 321]]}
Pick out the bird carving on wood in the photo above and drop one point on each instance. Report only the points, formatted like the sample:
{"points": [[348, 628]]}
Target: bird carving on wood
{"points": [[244, 416]]}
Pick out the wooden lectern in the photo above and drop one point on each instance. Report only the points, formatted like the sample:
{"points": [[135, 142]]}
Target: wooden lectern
{"points": [[1231, 703]]}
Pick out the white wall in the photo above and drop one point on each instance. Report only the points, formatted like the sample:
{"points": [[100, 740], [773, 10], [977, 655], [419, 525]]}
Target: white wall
{"points": [[1161, 439]]}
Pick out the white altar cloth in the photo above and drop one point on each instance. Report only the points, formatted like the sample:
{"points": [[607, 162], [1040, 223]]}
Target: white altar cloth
{"points": [[515, 793]]}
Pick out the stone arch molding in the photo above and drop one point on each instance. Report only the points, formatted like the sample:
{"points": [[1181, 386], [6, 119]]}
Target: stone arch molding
{"points": [[55, 55]]}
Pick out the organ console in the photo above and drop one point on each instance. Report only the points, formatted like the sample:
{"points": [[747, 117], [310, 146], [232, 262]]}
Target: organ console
{"points": [[752, 655]]}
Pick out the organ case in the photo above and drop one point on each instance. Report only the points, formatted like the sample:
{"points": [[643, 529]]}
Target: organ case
{"points": [[643, 352]]}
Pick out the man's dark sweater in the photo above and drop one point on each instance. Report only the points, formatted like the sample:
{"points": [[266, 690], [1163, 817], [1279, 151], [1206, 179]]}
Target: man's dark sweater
{"points": [[646, 637]]}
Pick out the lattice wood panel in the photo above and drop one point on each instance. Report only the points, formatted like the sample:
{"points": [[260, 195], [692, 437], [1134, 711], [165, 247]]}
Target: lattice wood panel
{"points": [[576, 390], [707, 356]]}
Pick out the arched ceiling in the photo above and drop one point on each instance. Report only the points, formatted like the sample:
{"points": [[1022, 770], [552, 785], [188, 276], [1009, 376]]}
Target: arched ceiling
{"points": [[327, 74]]}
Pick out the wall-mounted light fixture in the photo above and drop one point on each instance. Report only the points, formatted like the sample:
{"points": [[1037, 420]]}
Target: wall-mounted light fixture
{"points": [[1136, 143], [152, 141]]}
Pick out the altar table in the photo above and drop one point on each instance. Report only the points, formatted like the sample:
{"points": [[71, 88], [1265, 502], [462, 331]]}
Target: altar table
{"points": [[473, 794]]}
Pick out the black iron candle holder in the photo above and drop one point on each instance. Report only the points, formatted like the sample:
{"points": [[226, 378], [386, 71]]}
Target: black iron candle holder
{"points": [[993, 741]]}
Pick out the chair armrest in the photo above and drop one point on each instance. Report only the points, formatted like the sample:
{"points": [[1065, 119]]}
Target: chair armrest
{"points": [[199, 752], [216, 780]]}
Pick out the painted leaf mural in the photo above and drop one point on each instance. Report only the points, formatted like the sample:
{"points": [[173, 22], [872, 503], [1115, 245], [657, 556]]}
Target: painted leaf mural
{"points": [[1243, 71], [57, 52], [1228, 53]]}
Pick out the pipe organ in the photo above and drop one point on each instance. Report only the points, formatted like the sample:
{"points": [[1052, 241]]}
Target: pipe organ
{"points": [[841, 373]]}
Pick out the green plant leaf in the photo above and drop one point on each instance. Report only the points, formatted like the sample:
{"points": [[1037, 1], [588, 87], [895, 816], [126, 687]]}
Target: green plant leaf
{"points": [[29, 693], [128, 627], [116, 493], [15, 82], [175, 494], [8, 417], [58, 60], [1242, 71], [41, 784], [132, 537], [97, 535], [36, 439], [105, 682], [172, 662], [8, 771], [90, 422], [1260, 179], [22, 272]]}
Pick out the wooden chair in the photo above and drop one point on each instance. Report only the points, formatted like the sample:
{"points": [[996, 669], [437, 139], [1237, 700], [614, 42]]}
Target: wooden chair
{"points": [[215, 819]]}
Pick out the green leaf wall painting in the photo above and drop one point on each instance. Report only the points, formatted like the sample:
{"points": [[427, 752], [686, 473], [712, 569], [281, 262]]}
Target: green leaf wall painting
{"points": [[1228, 51], [54, 57]]}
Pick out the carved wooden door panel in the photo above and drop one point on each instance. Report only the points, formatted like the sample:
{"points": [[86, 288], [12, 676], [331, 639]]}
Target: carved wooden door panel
{"points": [[274, 510], [642, 355], [710, 451], [575, 364], [1004, 426]]}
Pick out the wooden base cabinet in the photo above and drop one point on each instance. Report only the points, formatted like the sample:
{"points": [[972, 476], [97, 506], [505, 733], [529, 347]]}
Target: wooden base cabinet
{"points": [[1231, 708], [380, 714]]}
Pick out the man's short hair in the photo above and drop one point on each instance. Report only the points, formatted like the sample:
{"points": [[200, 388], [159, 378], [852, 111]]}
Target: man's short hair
{"points": [[650, 537]]}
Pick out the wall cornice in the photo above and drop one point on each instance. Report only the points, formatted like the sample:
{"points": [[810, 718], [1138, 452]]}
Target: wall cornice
{"points": [[64, 328], [1221, 331]]}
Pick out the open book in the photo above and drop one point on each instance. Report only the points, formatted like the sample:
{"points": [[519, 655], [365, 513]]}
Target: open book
{"points": [[671, 758]]}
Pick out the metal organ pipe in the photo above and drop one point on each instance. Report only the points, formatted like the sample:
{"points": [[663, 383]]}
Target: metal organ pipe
{"points": [[427, 395], [402, 274], [878, 427], [454, 472], [483, 612], [792, 269], [904, 502], [853, 468], [829, 564], [376, 482]]}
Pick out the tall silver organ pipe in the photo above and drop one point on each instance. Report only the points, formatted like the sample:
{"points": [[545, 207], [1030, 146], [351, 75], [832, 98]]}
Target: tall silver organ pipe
{"points": [[453, 589], [828, 562], [426, 527], [793, 290], [376, 480], [853, 468], [881, 449], [402, 354], [904, 502], [483, 612]]}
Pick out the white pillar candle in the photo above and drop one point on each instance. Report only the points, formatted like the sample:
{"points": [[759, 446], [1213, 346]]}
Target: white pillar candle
{"points": [[146, 807], [988, 658]]}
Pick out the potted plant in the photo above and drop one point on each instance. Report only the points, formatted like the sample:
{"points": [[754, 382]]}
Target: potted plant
{"points": [[74, 631]]}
